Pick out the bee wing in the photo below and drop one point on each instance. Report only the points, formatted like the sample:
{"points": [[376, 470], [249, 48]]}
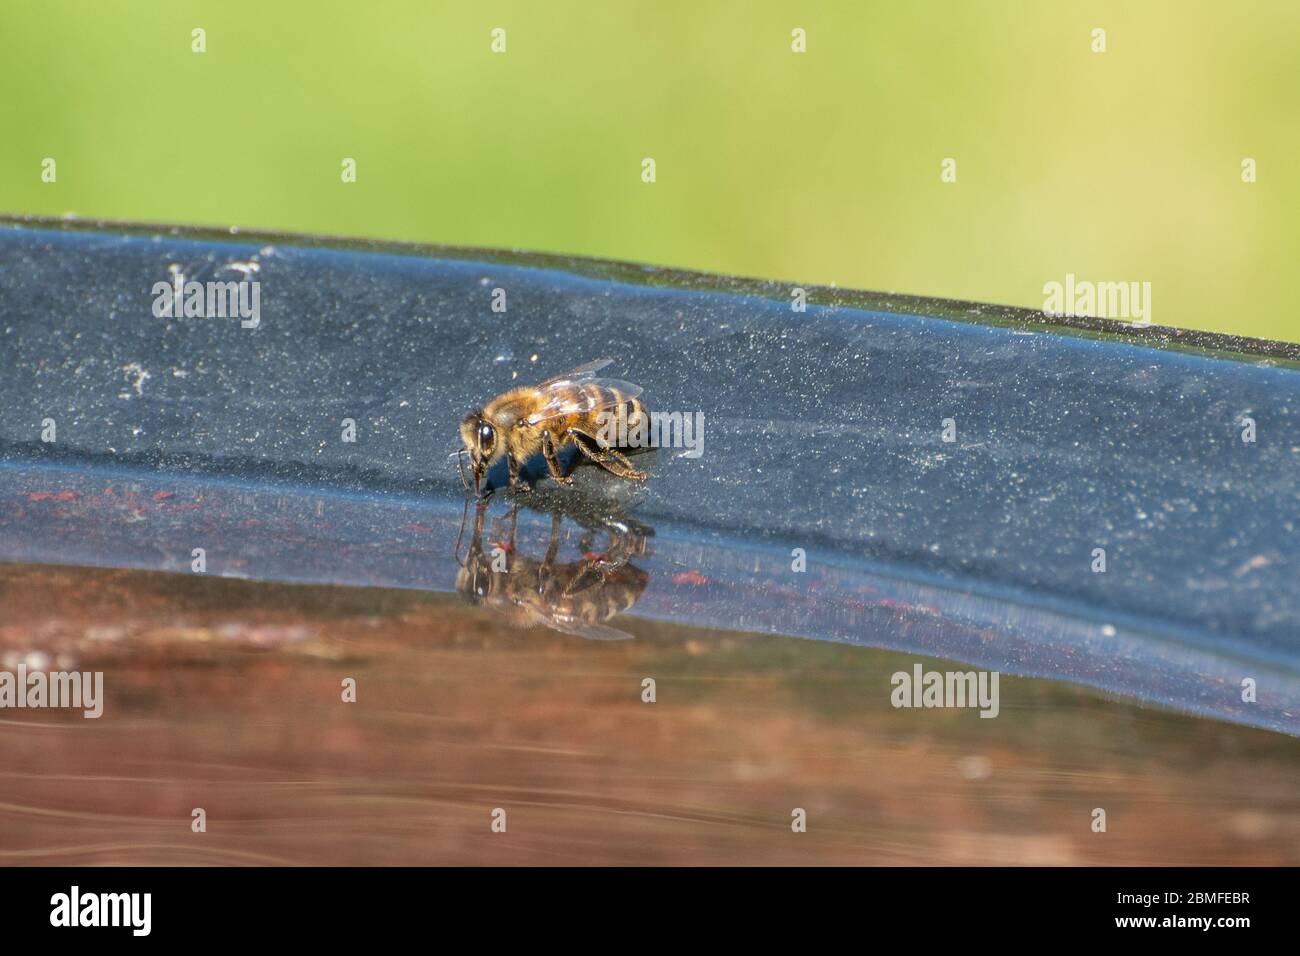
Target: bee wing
{"points": [[609, 393], [580, 374]]}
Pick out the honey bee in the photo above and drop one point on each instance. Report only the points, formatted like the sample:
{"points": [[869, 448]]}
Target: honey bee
{"points": [[566, 410], [574, 597]]}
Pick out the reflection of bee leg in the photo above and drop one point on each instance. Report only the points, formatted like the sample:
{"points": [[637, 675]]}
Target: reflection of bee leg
{"points": [[516, 483], [633, 533], [514, 527], [613, 461], [546, 569], [553, 548], [591, 575], [552, 462], [591, 572], [614, 554], [480, 516]]}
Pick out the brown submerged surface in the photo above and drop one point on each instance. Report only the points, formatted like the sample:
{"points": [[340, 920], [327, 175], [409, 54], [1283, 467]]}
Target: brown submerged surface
{"points": [[226, 694]]}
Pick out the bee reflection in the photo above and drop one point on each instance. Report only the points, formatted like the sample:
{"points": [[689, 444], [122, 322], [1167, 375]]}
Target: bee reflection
{"points": [[576, 596]]}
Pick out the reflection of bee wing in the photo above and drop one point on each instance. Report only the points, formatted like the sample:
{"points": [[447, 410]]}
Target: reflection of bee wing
{"points": [[566, 622], [592, 632], [566, 396]]}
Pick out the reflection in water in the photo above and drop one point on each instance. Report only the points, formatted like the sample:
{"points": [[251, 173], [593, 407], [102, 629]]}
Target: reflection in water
{"points": [[575, 596], [57, 515], [225, 694]]}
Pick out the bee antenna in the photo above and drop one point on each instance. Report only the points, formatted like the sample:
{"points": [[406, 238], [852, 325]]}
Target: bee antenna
{"points": [[459, 455]]}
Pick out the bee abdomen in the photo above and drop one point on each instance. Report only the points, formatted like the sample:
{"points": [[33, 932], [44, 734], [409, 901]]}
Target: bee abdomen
{"points": [[634, 413], [637, 415]]}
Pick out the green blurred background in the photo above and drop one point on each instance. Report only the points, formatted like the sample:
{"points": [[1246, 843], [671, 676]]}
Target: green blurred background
{"points": [[822, 167]]}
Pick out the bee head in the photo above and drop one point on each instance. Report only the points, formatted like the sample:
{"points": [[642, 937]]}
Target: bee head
{"points": [[481, 442]]}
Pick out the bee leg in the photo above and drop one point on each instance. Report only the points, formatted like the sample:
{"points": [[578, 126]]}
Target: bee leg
{"points": [[623, 460], [612, 461], [588, 446], [552, 462], [516, 483]]}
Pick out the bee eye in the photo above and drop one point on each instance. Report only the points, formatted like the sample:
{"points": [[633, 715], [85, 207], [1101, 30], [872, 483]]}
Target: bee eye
{"points": [[486, 436]]}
